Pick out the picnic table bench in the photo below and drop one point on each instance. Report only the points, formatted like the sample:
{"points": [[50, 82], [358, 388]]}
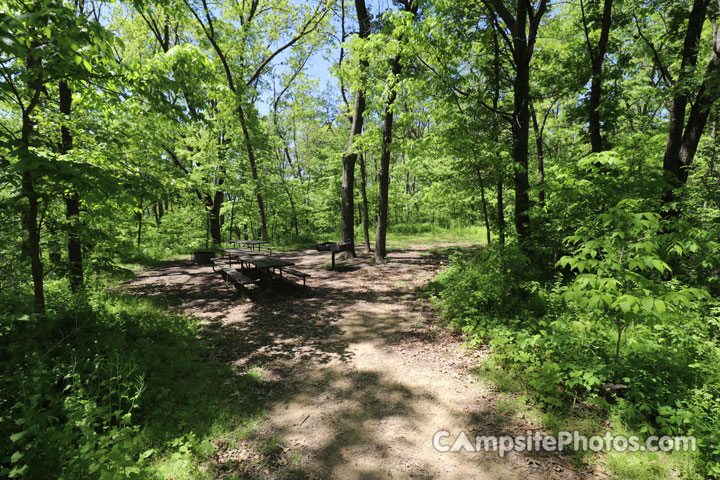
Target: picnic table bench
{"points": [[264, 266], [238, 277], [229, 273], [218, 262], [297, 273]]}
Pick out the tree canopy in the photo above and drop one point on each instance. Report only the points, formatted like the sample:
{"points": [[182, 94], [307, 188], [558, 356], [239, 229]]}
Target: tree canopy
{"points": [[580, 136]]}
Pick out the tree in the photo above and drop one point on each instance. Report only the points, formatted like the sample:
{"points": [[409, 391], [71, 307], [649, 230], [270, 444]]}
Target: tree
{"points": [[44, 44], [597, 58], [350, 156], [254, 59], [684, 131], [520, 33], [411, 7]]}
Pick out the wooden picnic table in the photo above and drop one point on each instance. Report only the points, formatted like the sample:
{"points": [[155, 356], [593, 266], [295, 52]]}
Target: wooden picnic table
{"points": [[251, 243], [239, 253], [263, 264], [267, 262], [255, 258]]}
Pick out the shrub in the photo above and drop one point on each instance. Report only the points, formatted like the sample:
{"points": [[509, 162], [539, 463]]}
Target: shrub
{"points": [[616, 314]]}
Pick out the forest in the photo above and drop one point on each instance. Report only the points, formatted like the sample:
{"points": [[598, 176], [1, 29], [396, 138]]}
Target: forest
{"points": [[532, 185]]}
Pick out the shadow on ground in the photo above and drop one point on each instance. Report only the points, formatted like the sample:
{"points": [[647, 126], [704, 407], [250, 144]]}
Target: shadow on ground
{"points": [[341, 405]]}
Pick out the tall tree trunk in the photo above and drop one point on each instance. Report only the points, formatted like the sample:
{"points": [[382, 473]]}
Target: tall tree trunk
{"points": [[500, 212], [72, 199], [232, 218], [496, 134], [292, 209], [365, 216], [541, 155], [520, 129], [348, 197], [384, 177], [484, 205], [31, 223], [522, 43], [31, 215], [673, 165], [384, 174], [350, 157], [254, 172], [597, 58], [215, 218], [700, 110]]}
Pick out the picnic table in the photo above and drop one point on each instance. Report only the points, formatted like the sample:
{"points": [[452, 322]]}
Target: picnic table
{"points": [[264, 264], [239, 253], [251, 243], [255, 258]]}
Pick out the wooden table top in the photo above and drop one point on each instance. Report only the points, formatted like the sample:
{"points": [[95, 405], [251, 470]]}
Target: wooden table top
{"points": [[267, 262]]}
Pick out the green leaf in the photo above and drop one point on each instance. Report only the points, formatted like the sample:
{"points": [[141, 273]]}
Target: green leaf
{"points": [[146, 454], [207, 448], [659, 306], [647, 304]]}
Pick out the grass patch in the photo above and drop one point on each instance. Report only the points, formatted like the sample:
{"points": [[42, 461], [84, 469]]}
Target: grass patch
{"points": [[469, 235]]}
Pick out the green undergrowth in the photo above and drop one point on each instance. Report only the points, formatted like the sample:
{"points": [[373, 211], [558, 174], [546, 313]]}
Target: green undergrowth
{"points": [[621, 337], [118, 389]]}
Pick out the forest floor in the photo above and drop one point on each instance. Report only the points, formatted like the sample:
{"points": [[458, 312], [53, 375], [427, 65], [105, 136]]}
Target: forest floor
{"points": [[357, 374]]}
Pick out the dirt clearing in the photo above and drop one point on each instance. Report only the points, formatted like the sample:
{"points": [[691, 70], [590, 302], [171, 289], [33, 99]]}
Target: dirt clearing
{"points": [[359, 376]]}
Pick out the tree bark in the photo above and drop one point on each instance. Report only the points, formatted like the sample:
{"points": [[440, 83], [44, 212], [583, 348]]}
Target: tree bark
{"points": [[215, 218], [29, 192], [496, 134], [253, 170], [365, 216], [294, 220], [484, 206], [541, 155], [232, 218], [520, 125], [384, 177], [500, 212], [697, 120], [72, 199], [348, 176], [36, 266]]}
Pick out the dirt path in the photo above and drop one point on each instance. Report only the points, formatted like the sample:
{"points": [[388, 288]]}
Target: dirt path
{"points": [[361, 378]]}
